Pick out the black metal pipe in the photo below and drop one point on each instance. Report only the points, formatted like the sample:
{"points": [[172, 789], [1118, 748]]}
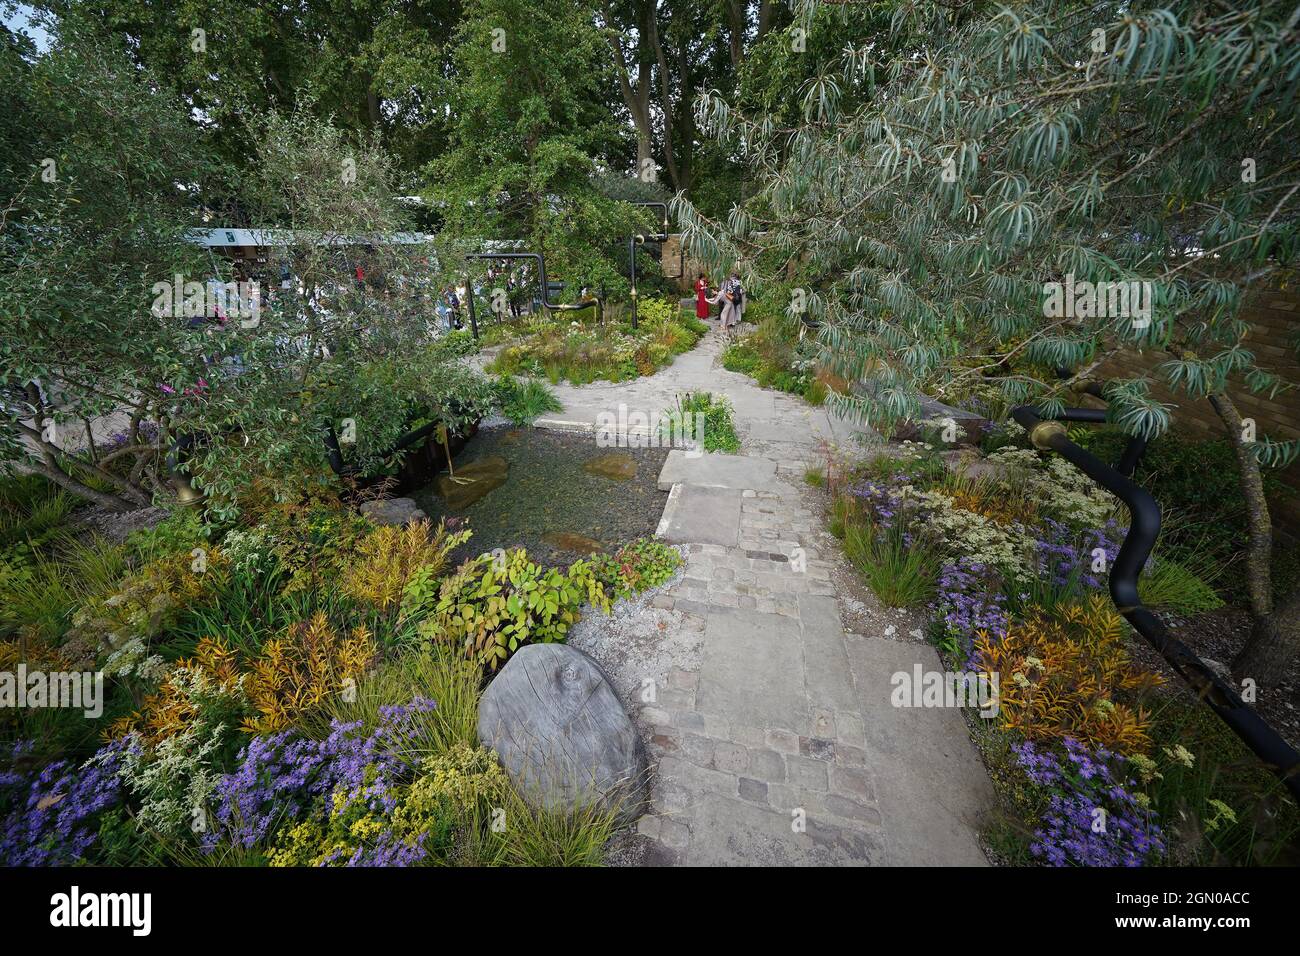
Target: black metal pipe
{"points": [[1144, 528], [632, 243], [334, 453], [469, 298], [663, 220], [1133, 452]]}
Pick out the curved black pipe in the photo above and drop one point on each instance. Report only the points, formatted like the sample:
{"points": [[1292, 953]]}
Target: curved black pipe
{"points": [[663, 220], [335, 454], [541, 277], [1144, 528]]}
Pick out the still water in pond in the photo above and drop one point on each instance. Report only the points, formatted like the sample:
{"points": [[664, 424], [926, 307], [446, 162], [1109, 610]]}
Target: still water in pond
{"points": [[558, 494]]}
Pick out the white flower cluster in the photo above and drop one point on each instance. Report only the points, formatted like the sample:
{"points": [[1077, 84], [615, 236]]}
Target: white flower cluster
{"points": [[964, 533], [1061, 490], [175, 781], [943, 427], [132, 658], [249, 551]]}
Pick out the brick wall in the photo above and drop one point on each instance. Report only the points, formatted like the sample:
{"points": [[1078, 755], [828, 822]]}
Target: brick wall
{"points": [[1274, 317]]}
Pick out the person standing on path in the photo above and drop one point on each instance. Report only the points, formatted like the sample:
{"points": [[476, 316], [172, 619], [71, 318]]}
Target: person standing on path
{"points": [[702, 297], [733, 302]]}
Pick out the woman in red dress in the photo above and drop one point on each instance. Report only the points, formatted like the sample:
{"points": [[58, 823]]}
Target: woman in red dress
{"points": [[702, 297]]}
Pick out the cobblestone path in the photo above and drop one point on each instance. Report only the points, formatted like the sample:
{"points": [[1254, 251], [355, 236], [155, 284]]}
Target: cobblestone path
{"points": [[771, 734]]}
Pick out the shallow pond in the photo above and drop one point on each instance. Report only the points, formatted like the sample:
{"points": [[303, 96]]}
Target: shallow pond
{"points": [[558, 494]]}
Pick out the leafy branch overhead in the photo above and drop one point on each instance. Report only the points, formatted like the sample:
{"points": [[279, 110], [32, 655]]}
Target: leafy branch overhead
{"points": [[947, 163]]}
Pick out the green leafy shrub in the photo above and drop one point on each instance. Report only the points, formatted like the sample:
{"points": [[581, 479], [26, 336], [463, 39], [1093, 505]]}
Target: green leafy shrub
{"points": [[523, 401], [495, 604], [635, 567], [457, 343], [697, 412], [740, 356]]}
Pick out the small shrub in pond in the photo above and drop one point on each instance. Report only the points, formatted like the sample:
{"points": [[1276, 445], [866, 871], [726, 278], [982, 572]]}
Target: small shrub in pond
{"points": [[525, 400], [636, 567], [701, 415]]}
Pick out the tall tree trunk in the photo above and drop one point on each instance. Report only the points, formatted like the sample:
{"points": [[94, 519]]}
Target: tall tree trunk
{"points": [[636, 94], [737, 20], [1275, 637]]}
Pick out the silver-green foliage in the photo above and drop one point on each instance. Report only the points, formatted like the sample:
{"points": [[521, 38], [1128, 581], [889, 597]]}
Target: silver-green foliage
{"points": [[948, 167]]}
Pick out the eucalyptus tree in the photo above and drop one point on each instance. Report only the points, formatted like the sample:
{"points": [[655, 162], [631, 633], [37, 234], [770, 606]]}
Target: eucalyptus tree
{"points": [[948, 176]]}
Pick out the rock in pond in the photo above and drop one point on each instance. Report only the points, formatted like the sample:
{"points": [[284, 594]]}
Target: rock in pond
{"points": [[617, 466], [395, 511], [553, 718], [472, 481], [573, 543]]}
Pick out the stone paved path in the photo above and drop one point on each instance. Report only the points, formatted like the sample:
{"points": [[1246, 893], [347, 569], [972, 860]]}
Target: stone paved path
{"points": [[771, 732]]}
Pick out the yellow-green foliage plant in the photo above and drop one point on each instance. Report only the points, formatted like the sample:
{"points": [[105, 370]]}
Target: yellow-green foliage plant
{"points": [[1060, 674], [493, 605], [454, 793], [387, 557], [143, 605]]}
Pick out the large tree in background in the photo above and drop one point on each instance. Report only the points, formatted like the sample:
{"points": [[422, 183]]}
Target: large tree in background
{"points": [[104, 177], [99, 184], [940, 173], [665, 54], [365, 64], [533, 130]]}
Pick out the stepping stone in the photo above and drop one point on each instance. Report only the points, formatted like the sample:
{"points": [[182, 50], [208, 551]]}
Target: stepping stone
{"points": [[753, 670], [617, 466], [472, 481], [392, 511], [572, 543], [701, 515], [716, 470]]}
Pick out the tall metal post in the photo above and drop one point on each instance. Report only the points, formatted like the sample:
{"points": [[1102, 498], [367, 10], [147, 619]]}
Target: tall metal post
{"points": [[632, 243]]}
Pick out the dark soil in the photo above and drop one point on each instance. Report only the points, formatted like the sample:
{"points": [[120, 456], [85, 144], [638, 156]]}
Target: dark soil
{"points": [[1216, 637]]}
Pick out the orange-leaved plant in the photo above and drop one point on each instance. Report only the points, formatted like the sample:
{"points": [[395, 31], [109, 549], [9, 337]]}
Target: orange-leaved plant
{"points": [[1067, 673], [298, 672]]}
